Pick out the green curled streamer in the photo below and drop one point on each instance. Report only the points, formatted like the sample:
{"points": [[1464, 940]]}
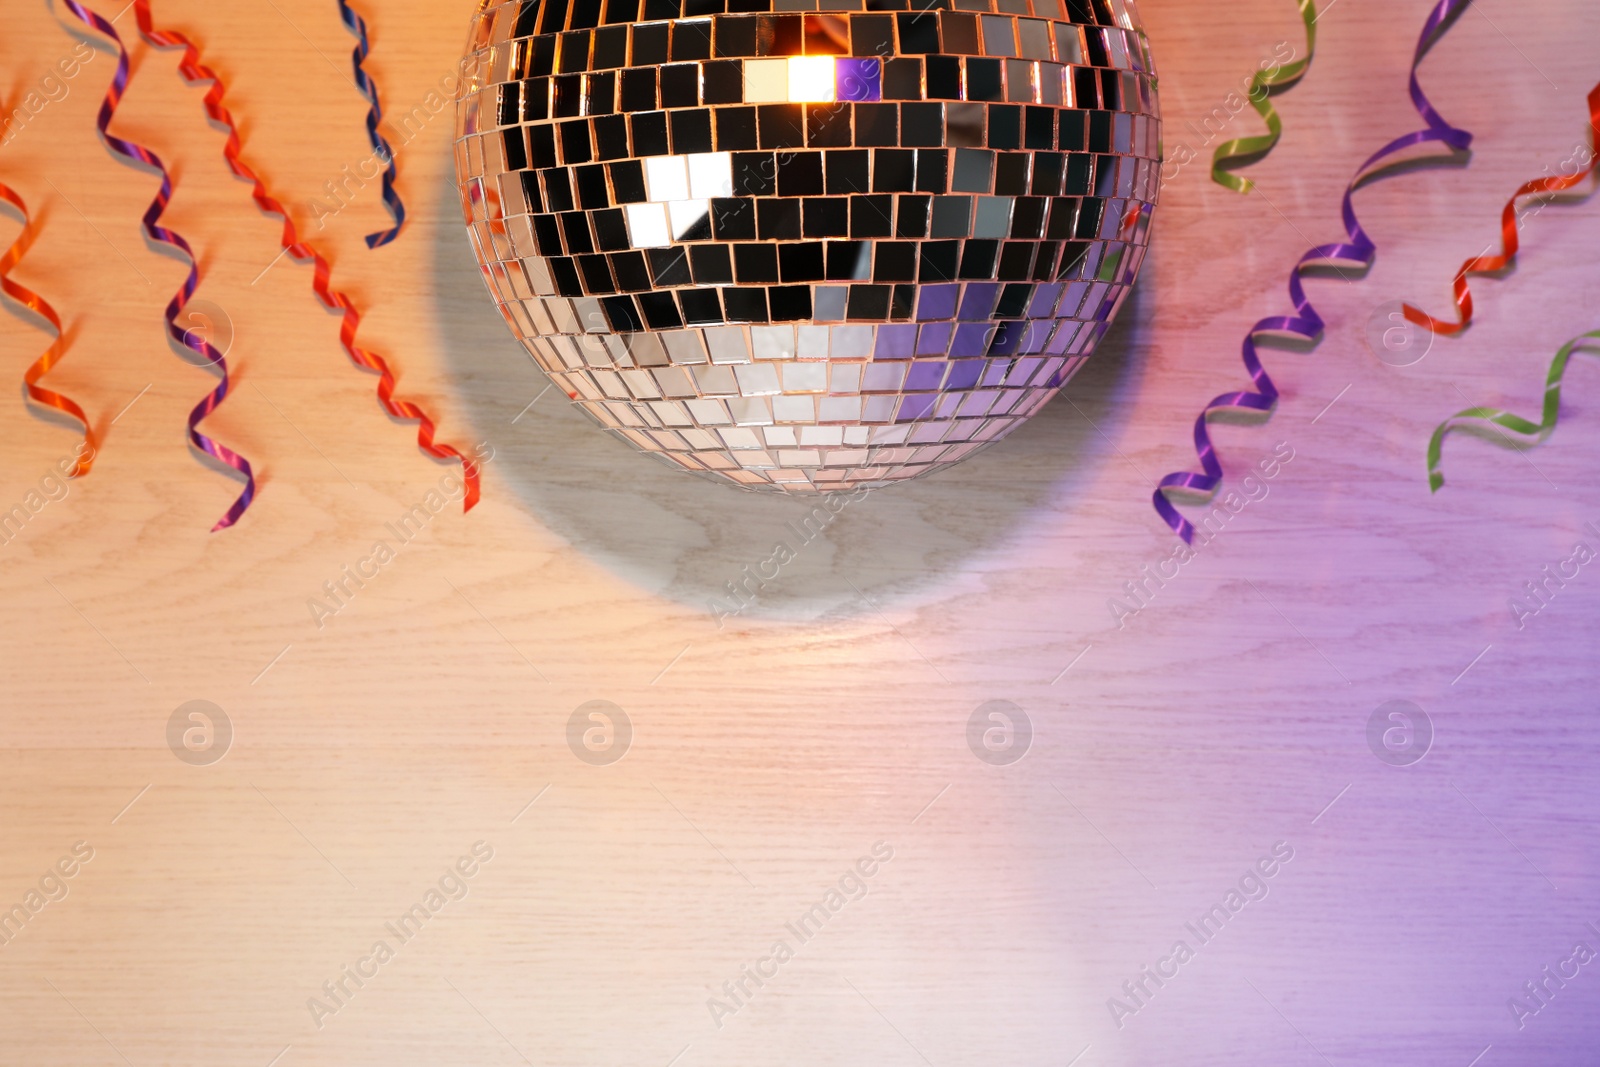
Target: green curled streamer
{"points": [[1243, 150], [1507, 420]]}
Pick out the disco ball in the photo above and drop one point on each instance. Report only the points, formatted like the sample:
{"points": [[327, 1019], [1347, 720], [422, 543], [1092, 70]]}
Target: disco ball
{"points": [[808, 244]]}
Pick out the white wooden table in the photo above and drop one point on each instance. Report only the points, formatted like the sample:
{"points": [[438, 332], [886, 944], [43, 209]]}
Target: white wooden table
{"points": [[770, 754]]}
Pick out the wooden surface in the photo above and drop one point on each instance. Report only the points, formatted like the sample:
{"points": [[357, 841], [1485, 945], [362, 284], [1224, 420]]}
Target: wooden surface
{"points": [[771, 752]]}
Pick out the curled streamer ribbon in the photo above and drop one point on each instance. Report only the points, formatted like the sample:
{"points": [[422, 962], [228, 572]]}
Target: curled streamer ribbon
{"points": [[1306, 323], [1245, 150], [52, 355], [194, 71], [380, 147], [189, 339], [1515, 423], [1509, 221]]}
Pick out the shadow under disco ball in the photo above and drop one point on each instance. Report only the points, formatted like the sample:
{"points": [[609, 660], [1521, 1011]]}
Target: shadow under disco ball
{"points": [[808, 244]]}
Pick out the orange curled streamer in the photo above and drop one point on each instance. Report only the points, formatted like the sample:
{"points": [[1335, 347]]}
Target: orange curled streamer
{"points": [[1508, 233], [193, 71], [52, 355]]}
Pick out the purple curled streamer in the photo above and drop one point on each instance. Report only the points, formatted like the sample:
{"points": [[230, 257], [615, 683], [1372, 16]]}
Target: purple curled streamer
{"points": [[189, 339], [1305, 322]]}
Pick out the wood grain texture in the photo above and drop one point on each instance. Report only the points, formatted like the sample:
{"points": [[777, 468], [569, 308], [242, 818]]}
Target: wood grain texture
{"points": [[772, 751]]}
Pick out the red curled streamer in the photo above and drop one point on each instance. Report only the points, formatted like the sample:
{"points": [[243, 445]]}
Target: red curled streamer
{"points": [[194, 71], [52, 355], [187, 338], [1508, 233]]}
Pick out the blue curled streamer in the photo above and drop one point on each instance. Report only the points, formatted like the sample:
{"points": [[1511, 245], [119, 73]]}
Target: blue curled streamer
{"points": [[1306, 323], [380, 147]]}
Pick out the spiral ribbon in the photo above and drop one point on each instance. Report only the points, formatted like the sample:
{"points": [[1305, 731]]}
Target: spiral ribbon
{"points": [[1243, 150], [193, 71], [380, 147], [1306, 323], [190, 339], [1509, 220], [52, 355], [1507, 420]]}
